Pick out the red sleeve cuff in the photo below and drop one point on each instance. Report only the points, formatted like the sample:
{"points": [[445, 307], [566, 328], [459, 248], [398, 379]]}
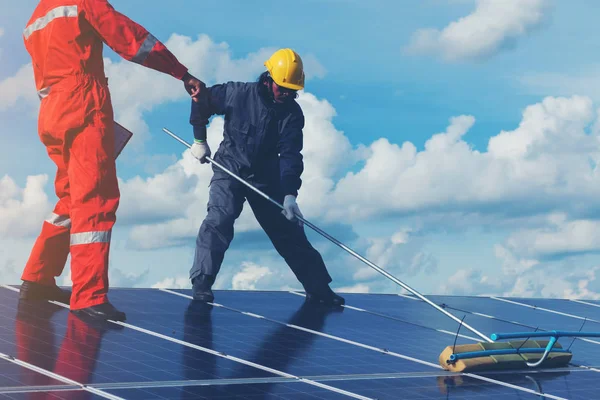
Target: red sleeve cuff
{"points": [[179, 71]]}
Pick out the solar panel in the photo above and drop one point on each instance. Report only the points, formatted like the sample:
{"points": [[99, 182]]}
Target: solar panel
{"points": [[273, 345]]}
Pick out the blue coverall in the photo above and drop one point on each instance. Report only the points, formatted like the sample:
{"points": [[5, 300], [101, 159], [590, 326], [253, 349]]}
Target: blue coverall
{"points": [[261, 144]]}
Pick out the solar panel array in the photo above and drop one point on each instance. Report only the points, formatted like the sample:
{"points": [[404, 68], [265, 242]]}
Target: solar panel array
{"points": [[273, 345]]}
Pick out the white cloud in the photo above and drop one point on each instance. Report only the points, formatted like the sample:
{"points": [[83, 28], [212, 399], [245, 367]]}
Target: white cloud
{"points": [[120, 278], [544, 262], [266, 271], [116, 276], [249, 276], [513, 265], [1, 32], [558, 237], [20, 86], [399, 255], [22, 210], [9, 273], [178, 282], [557, 282], [358, 288], [549, 157], [491, 27], [313, 68], [157, 198], [468, 282], [327, 153]]}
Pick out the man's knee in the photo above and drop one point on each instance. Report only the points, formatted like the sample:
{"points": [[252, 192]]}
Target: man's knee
{"points": [[220, 218], [216, 229]]}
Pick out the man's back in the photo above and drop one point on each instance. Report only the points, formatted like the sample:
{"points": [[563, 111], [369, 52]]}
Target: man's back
{"points": [[61, 42]]}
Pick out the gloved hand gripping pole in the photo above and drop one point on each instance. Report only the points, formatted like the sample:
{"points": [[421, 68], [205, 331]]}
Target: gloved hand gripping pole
{"points": [[340, 244]]}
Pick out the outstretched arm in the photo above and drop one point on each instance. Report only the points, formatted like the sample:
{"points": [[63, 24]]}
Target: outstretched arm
{"points": [[129, 39], [134, 43]]}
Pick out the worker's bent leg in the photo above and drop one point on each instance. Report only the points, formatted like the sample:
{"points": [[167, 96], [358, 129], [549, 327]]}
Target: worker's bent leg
{"points": [[51, 249], [290, 241], [94, 201], [225, 204]]}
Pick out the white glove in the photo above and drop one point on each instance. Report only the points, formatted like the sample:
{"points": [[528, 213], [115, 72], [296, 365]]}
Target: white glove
{"points": [[291, 209], [200, 150]]}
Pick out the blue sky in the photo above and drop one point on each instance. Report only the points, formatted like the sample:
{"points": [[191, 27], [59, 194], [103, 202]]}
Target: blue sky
{"points": [[465, 218]]}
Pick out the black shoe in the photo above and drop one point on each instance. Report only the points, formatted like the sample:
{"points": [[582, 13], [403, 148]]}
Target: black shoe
{"points": [[38, 292], [326, 296], [104, 311], [201, 287]]}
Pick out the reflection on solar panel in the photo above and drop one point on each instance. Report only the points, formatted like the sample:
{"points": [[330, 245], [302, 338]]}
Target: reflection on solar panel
{"points": [[273, 345]]}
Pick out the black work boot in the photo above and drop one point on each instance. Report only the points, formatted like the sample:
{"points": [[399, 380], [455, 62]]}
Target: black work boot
{"points": [[201, 287], [104, 311], [37, 292], [326, 296]]}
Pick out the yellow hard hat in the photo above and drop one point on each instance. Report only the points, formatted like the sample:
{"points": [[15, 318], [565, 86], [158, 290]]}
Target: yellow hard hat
{"points": [[286, 69]]}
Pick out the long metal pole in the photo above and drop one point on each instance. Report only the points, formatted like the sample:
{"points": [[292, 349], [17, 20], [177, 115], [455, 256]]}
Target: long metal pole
{"points": [[340, 244]]}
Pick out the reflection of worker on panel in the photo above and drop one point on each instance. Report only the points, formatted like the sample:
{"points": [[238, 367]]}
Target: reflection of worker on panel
{"points": [[65, 42], [35, 338]]}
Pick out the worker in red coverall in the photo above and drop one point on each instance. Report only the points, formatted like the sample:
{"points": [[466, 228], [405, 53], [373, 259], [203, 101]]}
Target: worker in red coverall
{"points": [[65, 41]]}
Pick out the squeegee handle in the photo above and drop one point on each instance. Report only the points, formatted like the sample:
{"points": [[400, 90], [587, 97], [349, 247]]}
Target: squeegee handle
{"points": [[556, 334], [337, 242]]}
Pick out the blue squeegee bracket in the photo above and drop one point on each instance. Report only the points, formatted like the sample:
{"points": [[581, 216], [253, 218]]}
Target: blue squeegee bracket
{"points": [[553, 335]]}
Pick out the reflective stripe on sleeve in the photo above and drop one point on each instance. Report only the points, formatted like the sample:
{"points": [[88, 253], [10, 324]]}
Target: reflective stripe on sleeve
{"points": [[145, 49]]}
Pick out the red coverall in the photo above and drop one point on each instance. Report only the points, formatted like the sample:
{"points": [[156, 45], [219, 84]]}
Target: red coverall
{"points": [[65, 41]]}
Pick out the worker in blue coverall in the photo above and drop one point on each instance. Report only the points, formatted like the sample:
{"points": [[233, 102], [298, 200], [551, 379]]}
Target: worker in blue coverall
{"points": [[262, 140]]}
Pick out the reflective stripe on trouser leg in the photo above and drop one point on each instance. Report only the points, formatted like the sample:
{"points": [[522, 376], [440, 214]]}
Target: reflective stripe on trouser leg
{"points": [[90, 237], [94, 195]]}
